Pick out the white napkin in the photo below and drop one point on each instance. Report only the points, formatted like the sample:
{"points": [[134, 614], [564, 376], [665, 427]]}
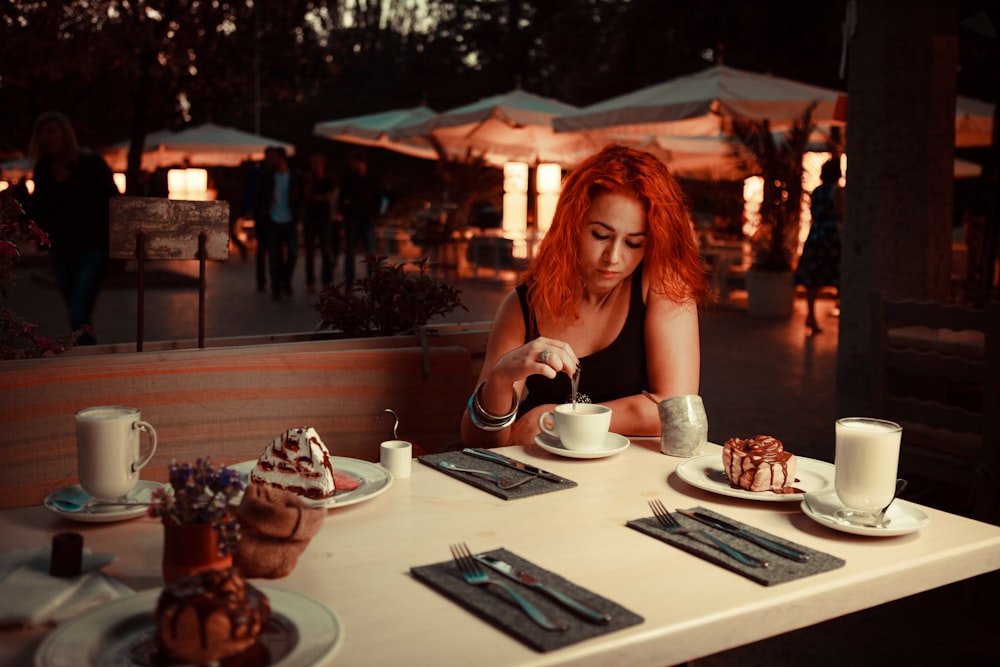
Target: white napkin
{"points": [[29, 595]]}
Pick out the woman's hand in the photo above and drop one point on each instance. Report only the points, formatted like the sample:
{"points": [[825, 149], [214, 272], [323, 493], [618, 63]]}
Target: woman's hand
{"points": [[541, 356]]}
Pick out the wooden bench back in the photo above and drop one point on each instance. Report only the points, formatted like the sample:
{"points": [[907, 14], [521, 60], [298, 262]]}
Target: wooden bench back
{"points": [[227, 403]]}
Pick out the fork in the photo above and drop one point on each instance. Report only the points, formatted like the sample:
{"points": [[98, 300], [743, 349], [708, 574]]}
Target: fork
{"points": [[473, 573], [448, 465], [671, 525]]}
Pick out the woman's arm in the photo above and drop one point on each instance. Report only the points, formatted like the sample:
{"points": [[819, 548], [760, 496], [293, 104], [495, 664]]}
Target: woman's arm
{"points": [[508, 362]]}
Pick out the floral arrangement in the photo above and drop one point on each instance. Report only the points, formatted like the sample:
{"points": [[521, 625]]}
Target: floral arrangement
{"points": [[17, 335], [200, 494]]}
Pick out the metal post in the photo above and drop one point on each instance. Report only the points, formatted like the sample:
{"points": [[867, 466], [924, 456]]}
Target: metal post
{"points": [[202, 253], [140, 254]]}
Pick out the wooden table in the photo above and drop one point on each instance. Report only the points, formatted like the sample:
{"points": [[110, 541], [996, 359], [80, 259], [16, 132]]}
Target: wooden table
{"points": [[359, 565]]}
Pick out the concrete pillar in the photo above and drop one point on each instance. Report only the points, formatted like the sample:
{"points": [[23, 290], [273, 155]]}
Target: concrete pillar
{"points": [[900, 154]]}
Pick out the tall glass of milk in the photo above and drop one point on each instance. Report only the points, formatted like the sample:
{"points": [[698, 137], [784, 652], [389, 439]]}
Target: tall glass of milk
{"points": [[866, 462]]}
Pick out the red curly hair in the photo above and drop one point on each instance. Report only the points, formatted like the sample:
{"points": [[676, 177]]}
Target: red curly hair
{"points": [[672, 259]]}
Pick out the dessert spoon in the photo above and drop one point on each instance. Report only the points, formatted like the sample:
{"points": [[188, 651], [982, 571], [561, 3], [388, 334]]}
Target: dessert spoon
{"points": [[877, 523], [69, 505]]}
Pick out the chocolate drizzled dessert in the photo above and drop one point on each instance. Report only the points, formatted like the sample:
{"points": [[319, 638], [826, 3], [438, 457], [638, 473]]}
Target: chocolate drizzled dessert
{"points": [[760, 463], [209, 616]]}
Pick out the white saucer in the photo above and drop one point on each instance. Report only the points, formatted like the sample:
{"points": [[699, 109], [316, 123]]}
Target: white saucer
{"points": [[902, 518], [613, 444], [142, 493]]}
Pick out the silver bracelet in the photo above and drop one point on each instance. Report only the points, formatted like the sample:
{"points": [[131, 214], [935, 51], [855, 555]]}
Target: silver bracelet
{"points": [[484, 420]]}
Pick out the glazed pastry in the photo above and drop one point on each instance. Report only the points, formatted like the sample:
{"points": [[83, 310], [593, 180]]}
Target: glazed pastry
{"points": [[209, 616], [760, 463]]}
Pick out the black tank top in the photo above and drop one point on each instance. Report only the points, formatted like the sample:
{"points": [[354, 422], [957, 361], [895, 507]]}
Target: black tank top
{"points": [[616, 371]]}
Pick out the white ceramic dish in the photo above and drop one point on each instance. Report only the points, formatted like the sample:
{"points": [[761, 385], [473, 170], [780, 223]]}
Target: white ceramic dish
{"points": [[706, 473], [143, 492], [375, 480], [902, 518], [613, 444], [105, 636]]}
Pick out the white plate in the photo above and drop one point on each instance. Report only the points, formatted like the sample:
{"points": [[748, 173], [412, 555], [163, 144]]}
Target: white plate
{"points": [[613, 444], [706, 473], [374, 481], [142, 492], [903, 517], [103, 637]]}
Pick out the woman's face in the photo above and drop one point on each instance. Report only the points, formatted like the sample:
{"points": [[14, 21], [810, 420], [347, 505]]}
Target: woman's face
{"points": [[50, 138], [614, 241]]}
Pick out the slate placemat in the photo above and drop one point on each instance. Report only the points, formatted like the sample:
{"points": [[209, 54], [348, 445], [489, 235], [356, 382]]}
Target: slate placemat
{"points": [[495, 607], [780, 570], [533, 488]]}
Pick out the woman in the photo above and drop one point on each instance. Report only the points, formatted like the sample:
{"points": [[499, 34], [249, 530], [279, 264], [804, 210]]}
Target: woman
{"points": [[614, 292], [70, 202], [819, 265]]}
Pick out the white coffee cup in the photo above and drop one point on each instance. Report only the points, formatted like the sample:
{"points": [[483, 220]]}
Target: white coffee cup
{"points": [[865, 466], [683, 425], [396, 456], [108, 455], [582, 428]]}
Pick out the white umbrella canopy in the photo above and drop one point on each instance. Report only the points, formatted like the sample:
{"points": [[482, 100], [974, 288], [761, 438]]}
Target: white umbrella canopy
{"points": [[373, 130], [699, 105], [514, 126], [207, 145]]}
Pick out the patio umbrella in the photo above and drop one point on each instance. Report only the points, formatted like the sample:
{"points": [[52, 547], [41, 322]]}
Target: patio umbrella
{"points": [[207, 145], [373, 130], [700, 104], [514, 126]]}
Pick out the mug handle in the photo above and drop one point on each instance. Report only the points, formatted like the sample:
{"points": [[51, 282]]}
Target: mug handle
{"points": [[151, 432], [545, 427]]}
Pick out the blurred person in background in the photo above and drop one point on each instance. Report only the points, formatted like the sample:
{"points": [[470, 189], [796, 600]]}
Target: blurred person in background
{"points": [[819, 265], [276, 205], [359, 207], [71, 203], [319, 221]]}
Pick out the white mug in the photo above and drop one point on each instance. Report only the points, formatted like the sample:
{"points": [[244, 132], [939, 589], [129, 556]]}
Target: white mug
{"points": [[582, 427], [865, 466], [108, 455], [396, 456]]}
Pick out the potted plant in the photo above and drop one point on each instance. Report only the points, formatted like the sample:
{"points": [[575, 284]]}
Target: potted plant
{"points": [[778, 160], [388, 302], [200, 532]]}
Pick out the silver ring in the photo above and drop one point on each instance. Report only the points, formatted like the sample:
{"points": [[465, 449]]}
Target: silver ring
{"points": [[544, 358]]}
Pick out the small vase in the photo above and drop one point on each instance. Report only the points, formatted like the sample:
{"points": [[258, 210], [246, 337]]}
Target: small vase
{"points": [[191, 548]]}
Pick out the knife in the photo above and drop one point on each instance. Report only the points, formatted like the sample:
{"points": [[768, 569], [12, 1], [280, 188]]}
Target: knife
{"points": [[513, 463], [522, 577], [781, 550]]}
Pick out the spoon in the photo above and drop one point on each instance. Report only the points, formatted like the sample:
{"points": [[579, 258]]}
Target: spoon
{"points": [[900, 486], [73, 505]]}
